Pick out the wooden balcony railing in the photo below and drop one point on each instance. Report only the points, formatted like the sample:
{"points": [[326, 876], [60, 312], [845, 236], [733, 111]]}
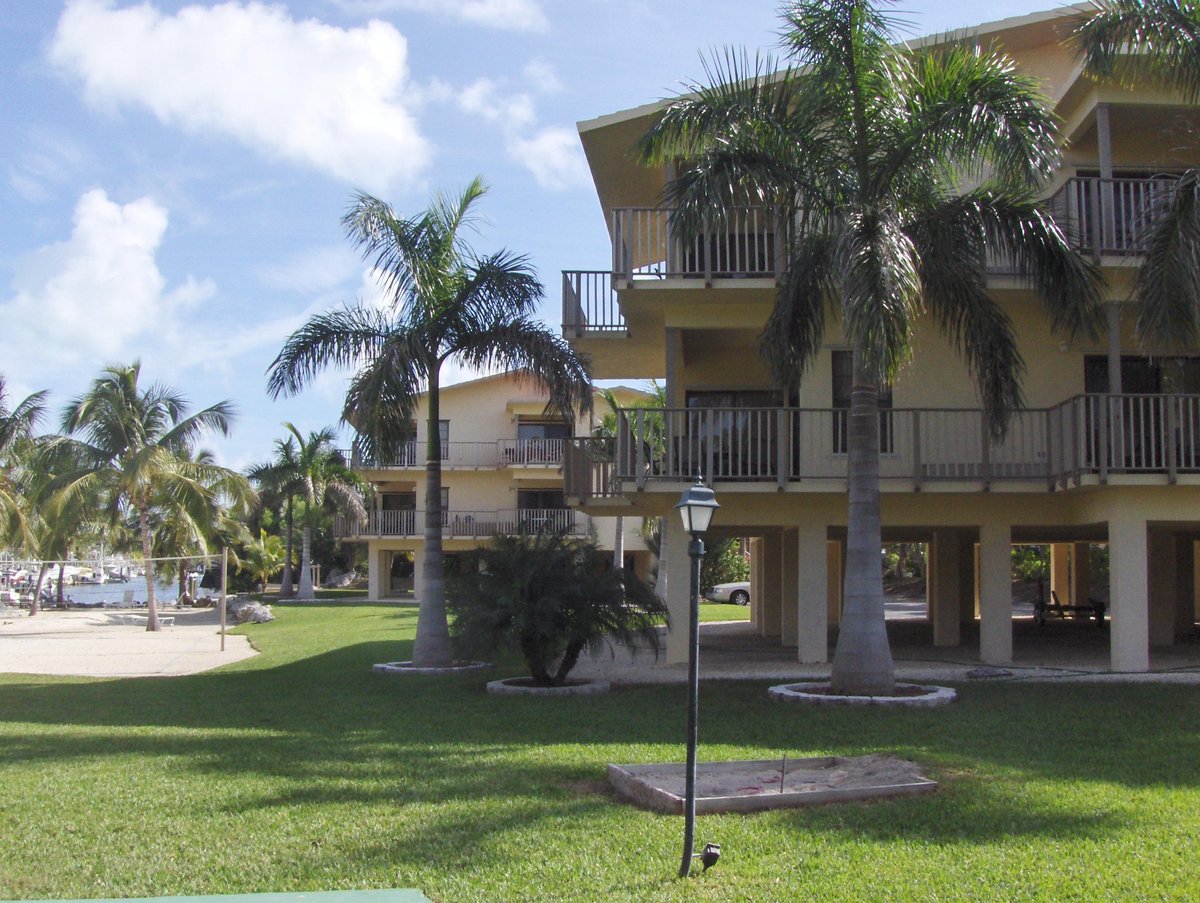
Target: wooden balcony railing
{"points": [[590, 304], [1111, 217], [749, 242], [471, 455], [1089, 434], [460, 523]]}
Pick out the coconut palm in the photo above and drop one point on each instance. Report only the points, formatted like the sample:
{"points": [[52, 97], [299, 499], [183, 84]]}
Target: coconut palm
{"points": [[263, 557], [281, 479], [179, 534], [446, 304], [323, 476], [16, 434], [860, 145], [1157, 42], [133, 446]]}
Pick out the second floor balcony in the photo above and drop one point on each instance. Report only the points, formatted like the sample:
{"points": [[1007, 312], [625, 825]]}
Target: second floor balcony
{"points": [[458, 524], [501, 453], [1107, 219], [1048, 448]]}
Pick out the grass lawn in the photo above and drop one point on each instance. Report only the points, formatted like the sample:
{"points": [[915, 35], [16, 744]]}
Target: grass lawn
{"points": [[299, 769]]}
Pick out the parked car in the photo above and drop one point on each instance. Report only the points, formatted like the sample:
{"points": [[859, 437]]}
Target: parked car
{"points": [[737, 593]]}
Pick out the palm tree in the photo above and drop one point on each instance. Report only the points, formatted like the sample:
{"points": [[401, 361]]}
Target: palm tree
{"points": [[447, 304], [16, 435], [1156, 42], [132, 445], [860, 145], [263, 557], [322, 475], [607, 429], [179, 534], [281, 478]]}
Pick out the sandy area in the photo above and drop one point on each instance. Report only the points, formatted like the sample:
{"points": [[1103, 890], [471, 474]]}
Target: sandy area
{"points": [[103, 643]]}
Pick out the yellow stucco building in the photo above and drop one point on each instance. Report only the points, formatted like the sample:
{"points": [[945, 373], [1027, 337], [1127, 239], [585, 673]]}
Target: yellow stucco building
{"points": [[502, 457], [1107, 450]]}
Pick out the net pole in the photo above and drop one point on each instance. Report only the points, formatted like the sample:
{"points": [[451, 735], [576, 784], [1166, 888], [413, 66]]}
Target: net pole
{"points": [[224, 570]]}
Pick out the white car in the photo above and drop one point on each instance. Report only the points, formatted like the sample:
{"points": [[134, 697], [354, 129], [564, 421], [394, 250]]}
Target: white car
{"points": [[737, 593]]}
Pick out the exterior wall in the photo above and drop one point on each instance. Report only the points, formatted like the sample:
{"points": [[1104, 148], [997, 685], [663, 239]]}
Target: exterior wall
{"points": [[485, 411]]}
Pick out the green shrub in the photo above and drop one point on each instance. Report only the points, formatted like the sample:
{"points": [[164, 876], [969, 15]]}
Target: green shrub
{"points": [[550, 597], [723, 562]]}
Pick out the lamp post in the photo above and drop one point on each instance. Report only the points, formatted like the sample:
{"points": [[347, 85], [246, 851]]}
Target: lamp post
{"points": [[696, 507]]}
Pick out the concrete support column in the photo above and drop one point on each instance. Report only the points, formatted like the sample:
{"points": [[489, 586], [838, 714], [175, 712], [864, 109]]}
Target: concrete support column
{"points": [[772, 585], [789, 584], [1160, 548], [1128, 594], [995, 594], [1185, 583], [679, 582], [756, 594], [1060, 572], [944, 590], [968, 580], [812, 597], [418, 573], [1081, 574], [835, 569], [376, 571]]}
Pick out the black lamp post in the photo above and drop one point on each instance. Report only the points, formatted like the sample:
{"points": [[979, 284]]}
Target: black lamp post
{"points": [[696, 507]]}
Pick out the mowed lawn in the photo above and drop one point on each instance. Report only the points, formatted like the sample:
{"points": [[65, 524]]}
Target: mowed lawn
{"points": [[300, 769]]}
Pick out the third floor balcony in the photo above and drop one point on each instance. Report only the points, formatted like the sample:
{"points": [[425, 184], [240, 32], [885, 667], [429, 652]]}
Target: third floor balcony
{"points": [[1107, 219], [494, 455]]}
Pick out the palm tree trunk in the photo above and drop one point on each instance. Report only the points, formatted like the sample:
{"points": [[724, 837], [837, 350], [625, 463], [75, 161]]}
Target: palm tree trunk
{"points": [[286, 589], [619, 544], [432, 646], [862, 663], [306, 585], [148, 558], [37, 589], [62, 570]]}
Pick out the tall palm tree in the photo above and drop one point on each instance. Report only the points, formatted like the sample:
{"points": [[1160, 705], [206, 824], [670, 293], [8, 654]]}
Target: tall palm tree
{"points": [[183, 532], [1156, 42], [133, 448], [323, 476], [447, 304], [607, 429], [860, 144], [16, 434], [281, 479]]}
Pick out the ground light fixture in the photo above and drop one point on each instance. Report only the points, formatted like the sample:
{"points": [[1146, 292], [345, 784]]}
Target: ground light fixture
{"points": [[696, 507]]}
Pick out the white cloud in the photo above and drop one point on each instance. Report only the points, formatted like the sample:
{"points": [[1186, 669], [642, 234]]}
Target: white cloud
{"points": [[331, 98], [85, 300], [47, 161], [553, 156], [511, 15]]}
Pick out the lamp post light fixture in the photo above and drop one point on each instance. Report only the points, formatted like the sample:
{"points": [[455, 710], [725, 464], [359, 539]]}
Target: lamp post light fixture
{"points": [[696, 507]]}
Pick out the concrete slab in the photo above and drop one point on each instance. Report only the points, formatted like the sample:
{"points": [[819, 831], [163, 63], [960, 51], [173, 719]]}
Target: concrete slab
{"points": [[760, 784], [98, 643]]}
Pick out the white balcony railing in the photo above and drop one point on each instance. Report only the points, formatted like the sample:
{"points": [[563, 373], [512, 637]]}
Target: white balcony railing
{"points": [[748, 242], [461, 523], [1111, 217], [473, 455], [1088, 434]]}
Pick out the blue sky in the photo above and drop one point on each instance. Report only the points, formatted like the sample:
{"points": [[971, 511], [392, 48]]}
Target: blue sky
{"points": [[172, 173]]}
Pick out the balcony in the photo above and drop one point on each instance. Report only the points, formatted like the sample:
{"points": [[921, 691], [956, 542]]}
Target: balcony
{"points": [[1104, 218], [470, 455], [458, 524], [1051, 448]]}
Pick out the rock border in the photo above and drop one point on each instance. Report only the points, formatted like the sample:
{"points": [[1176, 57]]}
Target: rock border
{"points": [[410, 668], [509, 687], [798, 693]]}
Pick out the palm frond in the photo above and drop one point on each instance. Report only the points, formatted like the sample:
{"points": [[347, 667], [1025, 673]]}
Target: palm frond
{"points": [[1139, 41], [791, 339], [1167, 289], [339, 338]]}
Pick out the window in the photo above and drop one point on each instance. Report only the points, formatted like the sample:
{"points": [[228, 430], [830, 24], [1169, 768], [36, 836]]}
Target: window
{"points": [[1143, 375], [843, 384], [543, 429]]}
